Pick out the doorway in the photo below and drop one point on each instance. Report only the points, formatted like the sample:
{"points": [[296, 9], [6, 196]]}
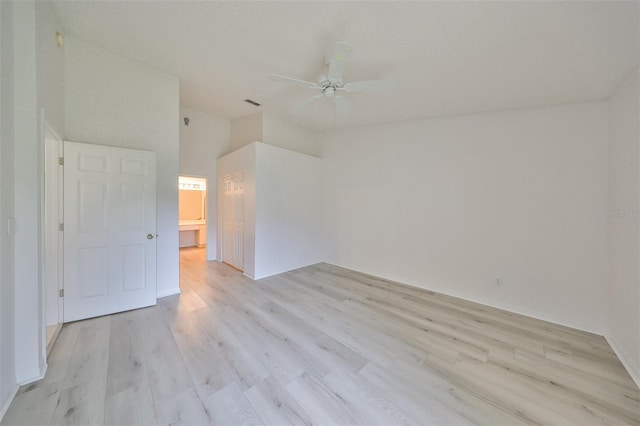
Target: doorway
{"points": [[233, 220], [192, 211]]}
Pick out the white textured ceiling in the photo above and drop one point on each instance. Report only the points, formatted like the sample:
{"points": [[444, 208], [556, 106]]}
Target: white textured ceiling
{"points": [[446, 57]]}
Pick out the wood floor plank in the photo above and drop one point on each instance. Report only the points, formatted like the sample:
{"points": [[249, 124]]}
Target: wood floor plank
{"points": [[323, 345], [370, 406], [131, 406], [443, 400], [229, 407], [331, 351], [283, 364], [240, 360], [207, 369], [427, 408], [82, 399], [61, 353], [183, 409], [275, 404], [167, 373], [34, 406], [126, 353], [323, 405]]}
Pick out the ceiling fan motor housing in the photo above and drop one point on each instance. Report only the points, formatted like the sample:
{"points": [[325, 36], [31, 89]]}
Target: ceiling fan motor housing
{"points": [[330, 87]]}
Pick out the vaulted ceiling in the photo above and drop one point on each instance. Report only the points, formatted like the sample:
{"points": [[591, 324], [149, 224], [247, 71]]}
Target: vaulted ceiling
{"points": [[445, 57]]}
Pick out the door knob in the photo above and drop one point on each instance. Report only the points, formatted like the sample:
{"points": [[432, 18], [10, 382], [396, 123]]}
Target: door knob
{"points": [[149, 236]]}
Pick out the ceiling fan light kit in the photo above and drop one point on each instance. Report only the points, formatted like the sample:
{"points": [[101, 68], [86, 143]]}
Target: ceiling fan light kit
{"points": [[331, 85]]}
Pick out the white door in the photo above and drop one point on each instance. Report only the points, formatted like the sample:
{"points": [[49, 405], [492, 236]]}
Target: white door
{"points": [[109, 230], [233, 220]]}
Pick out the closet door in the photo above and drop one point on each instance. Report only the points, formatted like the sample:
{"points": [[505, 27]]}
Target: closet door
{"points": [[109, 230], [233, 220]]}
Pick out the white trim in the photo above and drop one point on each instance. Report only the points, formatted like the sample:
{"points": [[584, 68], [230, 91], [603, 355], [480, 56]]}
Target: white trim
{"points": [[40, 158], [503, 306], [632, 369], [53, 133], [34, 376], [542, 316], [166, 293], [248, 276], [7, 403], [55, 217]]}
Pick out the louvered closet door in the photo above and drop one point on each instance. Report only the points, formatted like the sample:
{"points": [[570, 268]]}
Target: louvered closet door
{"points": [[233, 220]]}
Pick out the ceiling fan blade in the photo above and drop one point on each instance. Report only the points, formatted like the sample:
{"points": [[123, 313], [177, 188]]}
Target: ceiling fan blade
{"points": [[338, 60], [308, 102], [342, 104], [289, 80], [365, 86]]}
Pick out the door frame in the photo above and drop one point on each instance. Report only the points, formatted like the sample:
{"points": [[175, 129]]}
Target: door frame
{"points": [[47, 131], [52, 216]]}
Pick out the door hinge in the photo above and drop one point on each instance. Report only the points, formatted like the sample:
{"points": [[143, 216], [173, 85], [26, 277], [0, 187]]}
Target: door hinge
{"points": [[61, 161], [61, 292], [61, 227]]}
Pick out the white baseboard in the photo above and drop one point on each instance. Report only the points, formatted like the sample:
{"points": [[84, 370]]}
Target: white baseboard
{"points": [[170, 292], [503, 306], [633, 370], [32, 376], [532, 314], [5, 404]]}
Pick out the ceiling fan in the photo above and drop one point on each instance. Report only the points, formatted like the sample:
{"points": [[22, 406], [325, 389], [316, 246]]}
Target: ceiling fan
{"points": [[332, 85]]}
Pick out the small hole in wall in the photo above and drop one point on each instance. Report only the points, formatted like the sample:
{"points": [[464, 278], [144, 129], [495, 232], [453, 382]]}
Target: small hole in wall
{"points": [[186, 121]]}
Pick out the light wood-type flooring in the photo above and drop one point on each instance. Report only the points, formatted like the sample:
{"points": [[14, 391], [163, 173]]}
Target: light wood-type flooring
{"points": [[328, 346]]}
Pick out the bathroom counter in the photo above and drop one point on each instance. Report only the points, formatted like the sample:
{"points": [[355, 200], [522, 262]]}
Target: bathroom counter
{"points": [[193, 233]]}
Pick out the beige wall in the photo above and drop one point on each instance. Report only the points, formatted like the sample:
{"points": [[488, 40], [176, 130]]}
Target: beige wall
{"points": [[191, 204]]}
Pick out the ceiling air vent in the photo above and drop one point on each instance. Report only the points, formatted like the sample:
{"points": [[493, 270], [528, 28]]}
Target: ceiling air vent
{"points": [[254, 103]]}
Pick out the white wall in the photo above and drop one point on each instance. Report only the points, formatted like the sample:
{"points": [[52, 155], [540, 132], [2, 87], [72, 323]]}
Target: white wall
{"points": [[29, 336], [206, 138], [245, 130], [8, 383], [282, 208], [32, 95], [50, 96], [50, 66], [288, 232], [243, 161], [287, 135], [267, 128], [623, 302], [452, 204], [113, 100]]}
